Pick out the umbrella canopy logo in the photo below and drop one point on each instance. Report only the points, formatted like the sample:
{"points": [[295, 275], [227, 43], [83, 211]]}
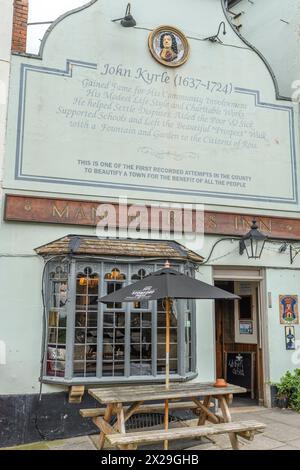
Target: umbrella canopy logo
{"points": [[144, 293]]}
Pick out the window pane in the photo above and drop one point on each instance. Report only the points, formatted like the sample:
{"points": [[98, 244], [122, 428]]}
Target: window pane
{"points": [[108, 335], [107, 369], [119, 368], [135, 335], [79, 353], [52, 335], [80, 335], [91, 369], [161, 367], [188, 342], [57, 322], [120, 319], [92, 319], [108, 319], [135, 320], [56, 361], [61, 335], [140, 368], [114, 283], [91, 336], [140, 344], [80, 319], [135, 351], [119, 335], [161, 339], [85, 356]]}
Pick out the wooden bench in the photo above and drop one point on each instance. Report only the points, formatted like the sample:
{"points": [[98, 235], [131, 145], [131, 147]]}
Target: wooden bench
{"points": [[131, 440], [149, 408]]}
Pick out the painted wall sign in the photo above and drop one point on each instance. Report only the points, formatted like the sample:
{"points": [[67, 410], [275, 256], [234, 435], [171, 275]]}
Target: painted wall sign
{"points": [[78, 212], [169, 46], [289, 338], [102, 116], [288, 307]]}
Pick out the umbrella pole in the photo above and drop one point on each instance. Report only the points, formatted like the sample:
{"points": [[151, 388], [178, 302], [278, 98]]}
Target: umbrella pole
{"points": [[167, 367]]}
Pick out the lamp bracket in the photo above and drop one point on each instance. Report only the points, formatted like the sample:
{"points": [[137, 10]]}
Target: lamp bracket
{"points": [[215, 38], [242, 247], [293, 253]]}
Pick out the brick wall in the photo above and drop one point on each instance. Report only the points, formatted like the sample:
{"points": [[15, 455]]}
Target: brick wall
{"points": [[20, 26]]}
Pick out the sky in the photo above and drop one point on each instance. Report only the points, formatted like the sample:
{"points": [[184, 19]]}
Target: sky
{"points": [[46, 10]]}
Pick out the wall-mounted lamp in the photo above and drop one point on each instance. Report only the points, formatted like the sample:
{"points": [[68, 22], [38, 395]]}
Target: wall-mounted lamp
{"points": [[127, 21], [216, 38], [253, 242]]}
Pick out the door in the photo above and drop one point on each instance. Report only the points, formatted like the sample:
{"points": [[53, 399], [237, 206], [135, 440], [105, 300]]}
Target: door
{"points": [[237, 332]]}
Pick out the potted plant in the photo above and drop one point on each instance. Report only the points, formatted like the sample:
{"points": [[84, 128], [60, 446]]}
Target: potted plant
{"points": [[288, 390]]}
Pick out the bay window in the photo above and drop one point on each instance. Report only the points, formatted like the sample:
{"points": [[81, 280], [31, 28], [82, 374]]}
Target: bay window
{"points": [[91, 342]]}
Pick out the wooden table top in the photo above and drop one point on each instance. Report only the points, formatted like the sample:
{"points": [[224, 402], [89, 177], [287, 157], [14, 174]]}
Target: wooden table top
{"points": [[133, 393]]}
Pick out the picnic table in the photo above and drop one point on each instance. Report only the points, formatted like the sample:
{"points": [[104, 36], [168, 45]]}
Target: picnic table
{"points": [[124, 401]]}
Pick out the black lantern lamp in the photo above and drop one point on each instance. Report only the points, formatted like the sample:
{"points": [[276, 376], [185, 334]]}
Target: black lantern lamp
{"points": [[127, 21], [253, 242]]}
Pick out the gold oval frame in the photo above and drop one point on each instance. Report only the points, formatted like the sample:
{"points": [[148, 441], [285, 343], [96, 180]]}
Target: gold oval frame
{"points": [[177, 32]]}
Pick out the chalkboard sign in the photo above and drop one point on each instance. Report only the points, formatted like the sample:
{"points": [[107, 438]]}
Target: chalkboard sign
{"points": [[239, 369]]}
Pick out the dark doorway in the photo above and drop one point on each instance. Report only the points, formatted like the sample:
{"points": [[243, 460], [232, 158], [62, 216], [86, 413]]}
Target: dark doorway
{"points": [[237, 351]]}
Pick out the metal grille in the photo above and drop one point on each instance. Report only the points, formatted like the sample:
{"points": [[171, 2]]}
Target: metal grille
{"points": [[146, 420]]}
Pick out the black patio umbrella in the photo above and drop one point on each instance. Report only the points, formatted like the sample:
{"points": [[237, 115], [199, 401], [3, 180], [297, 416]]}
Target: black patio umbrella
{"points": [[168, 284]]}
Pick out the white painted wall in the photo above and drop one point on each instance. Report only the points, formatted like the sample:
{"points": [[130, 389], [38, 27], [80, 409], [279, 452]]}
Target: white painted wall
{"points": [[280, 282], [273, 27], [6, 8], [205, 331]]}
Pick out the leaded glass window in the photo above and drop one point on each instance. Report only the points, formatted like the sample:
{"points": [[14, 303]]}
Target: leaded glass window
{"points": [[94, 342], [85, 338], [57, 322]]}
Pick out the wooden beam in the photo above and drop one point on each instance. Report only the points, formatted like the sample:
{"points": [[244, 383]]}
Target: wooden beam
{"points": [[152, 408], [106, 419], [144, 437], [76, 393]]}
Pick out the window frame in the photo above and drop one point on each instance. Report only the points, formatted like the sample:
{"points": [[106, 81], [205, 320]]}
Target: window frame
{"points": [[101, 267]]}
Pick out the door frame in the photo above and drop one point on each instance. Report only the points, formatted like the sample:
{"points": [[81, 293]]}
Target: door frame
{"points": [[232, 273]]}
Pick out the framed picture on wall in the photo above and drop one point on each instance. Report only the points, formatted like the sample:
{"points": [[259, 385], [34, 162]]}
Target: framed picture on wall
{"points": [[289, 338], [288, 308], [246, 328]]}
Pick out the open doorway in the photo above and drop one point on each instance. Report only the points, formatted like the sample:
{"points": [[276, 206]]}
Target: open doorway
{"points": [[238, 355]]}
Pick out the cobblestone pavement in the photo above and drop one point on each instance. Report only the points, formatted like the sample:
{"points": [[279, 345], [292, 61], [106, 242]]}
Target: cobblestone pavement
{"points": [[282, 433]]}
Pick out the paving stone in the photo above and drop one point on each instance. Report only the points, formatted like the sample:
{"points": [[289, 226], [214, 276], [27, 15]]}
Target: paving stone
{"points": [[288, 417], [282, 432], [204, 447], [261, 442], [288, 447], [295, 443], [222, 441], [77, 443]]}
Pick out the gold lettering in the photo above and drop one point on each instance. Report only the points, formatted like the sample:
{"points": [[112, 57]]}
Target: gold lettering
{"points": [[241, 223], [94, 214], [28, 206], [79, 214], [212, 221], [265, 225], [61, 214]]}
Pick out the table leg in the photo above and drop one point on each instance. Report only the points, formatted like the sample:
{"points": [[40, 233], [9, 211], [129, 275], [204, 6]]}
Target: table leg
{"points": [[106, 417], [227, 419], [120, 418], [202, 416]]}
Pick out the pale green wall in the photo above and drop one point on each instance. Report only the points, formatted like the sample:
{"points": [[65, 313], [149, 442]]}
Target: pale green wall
{"points": [[280, 282], [277, 40], [205, 331]]}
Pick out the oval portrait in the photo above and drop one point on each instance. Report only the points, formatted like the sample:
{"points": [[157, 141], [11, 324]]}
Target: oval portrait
{"points": [[169, 46]]}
